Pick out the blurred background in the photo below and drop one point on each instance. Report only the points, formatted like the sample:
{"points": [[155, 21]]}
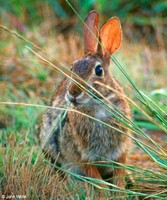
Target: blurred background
{"points": [[146, 18]]}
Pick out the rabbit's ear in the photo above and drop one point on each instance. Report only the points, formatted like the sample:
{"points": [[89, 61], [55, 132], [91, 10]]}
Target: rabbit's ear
{"points": [[110, 36], [91, 32]]}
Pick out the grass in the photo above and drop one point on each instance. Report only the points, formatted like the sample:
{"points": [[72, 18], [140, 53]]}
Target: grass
{"points": [[27, 79]]}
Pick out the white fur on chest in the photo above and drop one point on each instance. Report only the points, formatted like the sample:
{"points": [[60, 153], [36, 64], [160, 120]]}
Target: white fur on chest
{"points": [[101, 113]]}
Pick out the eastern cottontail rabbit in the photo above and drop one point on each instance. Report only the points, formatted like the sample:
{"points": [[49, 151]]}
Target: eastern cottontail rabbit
{"points": [[74, 139]]}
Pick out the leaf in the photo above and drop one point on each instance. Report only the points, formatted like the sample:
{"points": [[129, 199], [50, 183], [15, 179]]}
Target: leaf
{"points": [[147, 125], [162, 91], [160, 7], [58, 8], [155, 157]]}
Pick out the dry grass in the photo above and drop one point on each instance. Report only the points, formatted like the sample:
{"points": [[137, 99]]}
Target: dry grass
{"points": [[24, 172]]}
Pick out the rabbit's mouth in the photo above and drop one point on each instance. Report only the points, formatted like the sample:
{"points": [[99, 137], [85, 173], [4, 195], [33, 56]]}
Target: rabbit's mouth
{"points": [[75, 100]]}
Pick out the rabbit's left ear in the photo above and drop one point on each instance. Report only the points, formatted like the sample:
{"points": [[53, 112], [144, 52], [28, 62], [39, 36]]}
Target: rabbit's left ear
{"points": [[110, 37]]}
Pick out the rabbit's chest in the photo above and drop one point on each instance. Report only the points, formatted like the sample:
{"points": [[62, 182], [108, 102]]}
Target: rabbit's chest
{"points": [[91, 139]]}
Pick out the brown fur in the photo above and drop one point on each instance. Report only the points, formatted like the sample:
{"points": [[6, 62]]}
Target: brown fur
{"points": [[80, 139]]}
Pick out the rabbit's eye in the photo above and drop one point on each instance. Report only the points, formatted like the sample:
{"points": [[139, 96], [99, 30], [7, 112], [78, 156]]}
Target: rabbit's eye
{"points": [[98, 70]]}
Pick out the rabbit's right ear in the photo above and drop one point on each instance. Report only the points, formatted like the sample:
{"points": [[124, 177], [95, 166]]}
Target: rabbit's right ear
{"points": [[91, 32], [110, 37]]}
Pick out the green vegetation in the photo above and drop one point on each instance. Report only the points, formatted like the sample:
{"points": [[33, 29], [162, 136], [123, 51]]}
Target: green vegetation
{"points": [[27, 83]]}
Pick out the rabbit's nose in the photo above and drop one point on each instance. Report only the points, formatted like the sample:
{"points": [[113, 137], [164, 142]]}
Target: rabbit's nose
{"points": [[74, 91], [74, 95]]}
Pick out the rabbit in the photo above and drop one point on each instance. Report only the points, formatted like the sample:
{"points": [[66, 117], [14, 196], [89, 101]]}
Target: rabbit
{"points": [[74, 140]]}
